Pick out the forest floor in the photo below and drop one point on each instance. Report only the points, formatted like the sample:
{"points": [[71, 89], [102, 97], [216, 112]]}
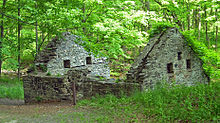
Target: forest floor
{"points": [[60, 112], [45, 113]]}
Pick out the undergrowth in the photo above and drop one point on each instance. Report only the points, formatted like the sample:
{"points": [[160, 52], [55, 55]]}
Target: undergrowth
{"points": [[210, 58], [179, 103], [11, 88]]}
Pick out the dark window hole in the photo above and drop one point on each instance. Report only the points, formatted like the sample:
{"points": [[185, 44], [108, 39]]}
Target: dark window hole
{"points": [[179, 55], [188, 64], [170, 68], [66, 63], [88, 60]]}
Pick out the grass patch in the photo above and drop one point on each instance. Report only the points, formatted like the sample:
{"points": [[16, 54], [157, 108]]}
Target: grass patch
{"points": [[11, 88], [175, 104]]}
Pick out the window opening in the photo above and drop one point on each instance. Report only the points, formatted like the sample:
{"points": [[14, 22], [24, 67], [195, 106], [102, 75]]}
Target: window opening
{"points": [[66, 63], [170, 68], [88, 60], [179, 55], [188, 64]]}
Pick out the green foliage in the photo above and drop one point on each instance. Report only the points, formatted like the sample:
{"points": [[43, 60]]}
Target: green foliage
{"points": [[48, 74], [38, 99], [11, 88], [43, 67], [115, 29], [196, 103], [210, 58], [159, 27], [58, 75], [177, 103]]}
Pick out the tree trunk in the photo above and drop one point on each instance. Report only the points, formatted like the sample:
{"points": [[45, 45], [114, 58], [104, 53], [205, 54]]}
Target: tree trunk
{"points": [[206, 28], [36, 30], [19, 41], [216, 31], [2, 35], [195, 19], [199, 24], [84, 17], [147, 5], [148, 9], [188, 17]]}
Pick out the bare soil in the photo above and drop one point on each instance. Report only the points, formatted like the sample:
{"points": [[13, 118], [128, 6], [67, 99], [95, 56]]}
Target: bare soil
{"points": [[55, 112]]}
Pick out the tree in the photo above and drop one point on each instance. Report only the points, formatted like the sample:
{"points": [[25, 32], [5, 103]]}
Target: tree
{"points": [[19, 40], [216, 30], [36, 30], [2, 34]]}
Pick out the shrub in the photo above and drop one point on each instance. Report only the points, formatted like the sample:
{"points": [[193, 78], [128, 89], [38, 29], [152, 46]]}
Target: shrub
{"points": [[11, 88], [176, 103]]}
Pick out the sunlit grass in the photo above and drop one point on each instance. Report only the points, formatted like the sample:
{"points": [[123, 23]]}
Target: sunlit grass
{"points": [[11, 88], [179, 103]]}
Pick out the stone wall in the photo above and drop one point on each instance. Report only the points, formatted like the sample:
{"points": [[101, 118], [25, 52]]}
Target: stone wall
{"points": [[52, 88], [45, 88], [167, 58], [87, 87], [67, 49]]}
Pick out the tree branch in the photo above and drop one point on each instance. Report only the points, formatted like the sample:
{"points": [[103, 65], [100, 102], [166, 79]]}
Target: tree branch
{"points": [[172, 14]]}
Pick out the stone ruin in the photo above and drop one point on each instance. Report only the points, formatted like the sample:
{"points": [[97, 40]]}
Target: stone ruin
{"points": [[166, 58], [53, 88], [64, 64], [62, 54]]}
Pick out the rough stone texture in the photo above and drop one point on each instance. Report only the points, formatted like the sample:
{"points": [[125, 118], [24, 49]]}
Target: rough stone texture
{"points": [[87, 87], [51, 59], [45, 88], [151, 66], [51, 88]]}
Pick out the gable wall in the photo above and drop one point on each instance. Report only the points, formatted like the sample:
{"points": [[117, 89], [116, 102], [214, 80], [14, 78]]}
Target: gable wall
{"points": [[69, 50], [166, 51]]}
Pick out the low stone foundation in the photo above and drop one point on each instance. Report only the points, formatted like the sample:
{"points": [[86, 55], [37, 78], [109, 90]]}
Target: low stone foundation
{"points": [[87, 87], [45, 88], [52, 88]]}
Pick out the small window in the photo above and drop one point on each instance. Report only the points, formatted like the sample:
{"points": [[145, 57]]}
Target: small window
{"points": [[88, 60], [179, 55], [188, 64], [170, 68], [66, 63]]}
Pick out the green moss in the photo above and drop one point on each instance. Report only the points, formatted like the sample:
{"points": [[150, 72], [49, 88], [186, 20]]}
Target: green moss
{"points": [[59, 75], [38, 99], [210, 58], [48, 74], [43, 67], [159, 27]]}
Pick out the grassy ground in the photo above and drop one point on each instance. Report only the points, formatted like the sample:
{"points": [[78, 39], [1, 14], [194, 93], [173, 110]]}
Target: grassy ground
{"points": [[11, 88], [179, 103], [200, 103]]}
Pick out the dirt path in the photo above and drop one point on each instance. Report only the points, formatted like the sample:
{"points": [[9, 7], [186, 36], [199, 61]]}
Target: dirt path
{"points": [[60, 112], [6, 101], [46, 113], [54, 113]]}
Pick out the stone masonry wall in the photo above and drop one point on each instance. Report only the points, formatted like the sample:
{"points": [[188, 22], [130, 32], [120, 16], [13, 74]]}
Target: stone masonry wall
{"points": [[87, 87], [52, 88], [168, 58], [45, 88], [64, 49]]}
